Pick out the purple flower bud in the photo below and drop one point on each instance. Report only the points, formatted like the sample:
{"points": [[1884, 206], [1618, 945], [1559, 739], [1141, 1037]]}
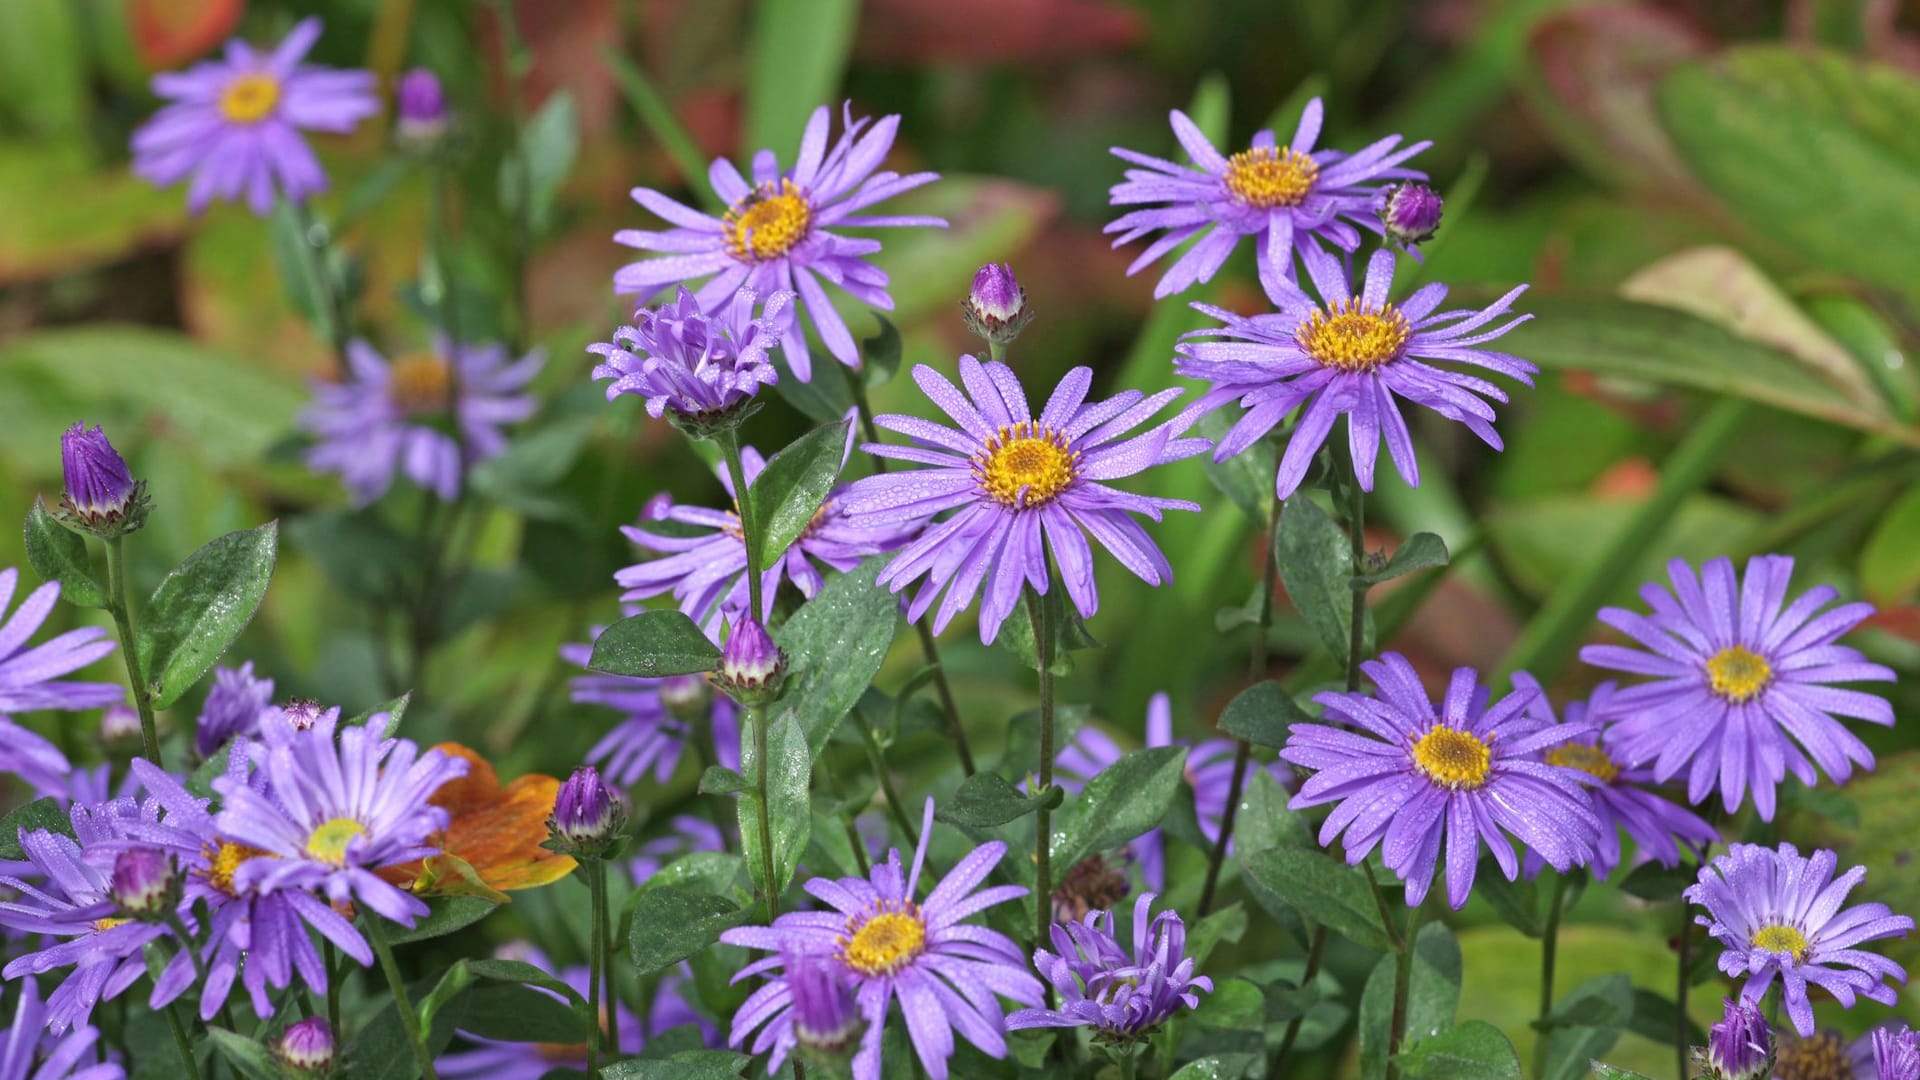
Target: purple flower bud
{"points": [[101, 497], [307, 1047], [1896, 1053], [233, 707], [996, 309], [145, 883], [824, 1017], [1740, 1046], [119, 725], [422, 106], [752, 667], [588, 816], [1411, 213]]}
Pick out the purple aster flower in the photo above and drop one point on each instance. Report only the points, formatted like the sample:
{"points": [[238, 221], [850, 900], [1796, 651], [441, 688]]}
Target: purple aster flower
{"points": [[1353, 354], [101, 495], [1008, 476], [1827, 1053], [707, 571], [1622, 798], [29, 677], [422, 107], [703, 368], [489, 1059], [28, 1054], [1100, 986], [1740, 1046], [657, 727], [234, 124], [34, 760], [1896, 1054], [338, 810], [687, 834], [390, 418], [233, 707], [826, 1019], [775, 235], [1286, 197], [1741, 689], [946, 973], [1778, 913], [1465, 769]]}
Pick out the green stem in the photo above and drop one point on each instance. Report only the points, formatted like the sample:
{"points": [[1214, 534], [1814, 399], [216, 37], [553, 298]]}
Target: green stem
{"points": [[402, 1001], [895, 808], [607, 995], [1402, 981], [1549, 948], [329, 964], [1357, 616], [1681, 1035], [996, 351], [1316, 948], [596, 957], [180, 1041], [328, 306], [1042, 819], [729, 441], [122, 612], [757, 716]]}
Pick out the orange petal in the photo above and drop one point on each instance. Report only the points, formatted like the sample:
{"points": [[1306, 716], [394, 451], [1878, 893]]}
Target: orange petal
{"points": [[495, 831]]}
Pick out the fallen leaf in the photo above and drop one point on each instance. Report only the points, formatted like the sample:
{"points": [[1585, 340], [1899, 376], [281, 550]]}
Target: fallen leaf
{"points": [[493, 842]]}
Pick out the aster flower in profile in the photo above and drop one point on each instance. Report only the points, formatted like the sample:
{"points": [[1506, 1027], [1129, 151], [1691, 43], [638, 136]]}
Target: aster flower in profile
{"points": [[705, 568], [26, 1053], [1779, 915], [1624, 799], [1287, 198], [1011, 479], [778, 232], [234, 125], [701, 371], [1896, 1053], [30, 677], [947, 974], [1739, 1047], [660, 716], [1414, 773], [393, 417], [1351, 353], [1742, 688], [1826, 1053], [233, 707], [1100, 986]]}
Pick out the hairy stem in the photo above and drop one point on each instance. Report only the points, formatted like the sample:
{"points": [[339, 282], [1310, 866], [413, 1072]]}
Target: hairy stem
{"points": [[757, 716], [1402, 982], [402, 1001], [596, 961], [181, 1042], [122, 612]]}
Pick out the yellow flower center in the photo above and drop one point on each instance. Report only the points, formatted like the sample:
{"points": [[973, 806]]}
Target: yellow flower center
{"points": [[768, 222], [1453, 758], [420, 383], [224, 860], [1738, 674], [885, 942], [106, 924], [1781, 938], [329, 842], [249, 98], [1823, 1057], [1269, 176], [1349, 337], [1588, 759], [1025, 465]]}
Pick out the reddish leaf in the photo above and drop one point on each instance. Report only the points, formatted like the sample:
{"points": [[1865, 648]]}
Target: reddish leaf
{"points": [[168, 33], [495, 835]]}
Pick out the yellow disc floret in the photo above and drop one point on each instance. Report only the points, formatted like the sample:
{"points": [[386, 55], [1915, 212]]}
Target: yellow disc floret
{"points": [[768, 222], [1738, 674], [250, 98], [1588, 759], [1266, 176], [328, 843], [884, 942], [1025, 465], [1781, 938], [420, 383], [1452, 758], [224, 860], [1350, 337]]}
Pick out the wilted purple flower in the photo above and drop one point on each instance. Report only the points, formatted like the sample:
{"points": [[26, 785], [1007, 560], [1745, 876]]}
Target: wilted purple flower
{"points": [[1896, 1053], [27, 1054], [1286, 197], [707, 571], [1623, 798], [774, 234], [946, 973], [996, 307], [101, 495], [588, 816], [1463, 769], [1010, 476], [1410, 214], [1740, 1046], [234, 124], [1100, 986], [422, 106], [1741, 689], [390, 418], [1827, 1053], [751, 667], [306, 1046], [653, 733], [1349, 353], [703, 369], [233, 707], [1778, 912]]}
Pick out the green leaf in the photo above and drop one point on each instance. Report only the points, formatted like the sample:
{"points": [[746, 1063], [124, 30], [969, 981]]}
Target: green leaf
{"points": [[1265, 821], [1658, 884], [57, 553], [985, 800], [1262, 714], [789, 771], [795, 60], [1516, 902], [1889, 563], [548, 145], [1215, 1067], [652, 644], [1586, 1023], [881, 352], [1476, 1050], [1604, 1071], [1421, 551], [835, 645], [445, 915], [1234, 1005], [1319, 887], [672, 923], [513, 1013], [686, 1065], [1070, 634], [200, 607], [1125, 800], [789, 491], [1433, 994], [393, 710], [248, 1058], [1229, 924], [1316, 565], [1653, 1018], [516, 971], [719, 780]]}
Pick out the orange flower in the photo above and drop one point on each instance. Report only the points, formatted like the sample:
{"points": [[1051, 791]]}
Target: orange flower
{"points": [[492, 845]]}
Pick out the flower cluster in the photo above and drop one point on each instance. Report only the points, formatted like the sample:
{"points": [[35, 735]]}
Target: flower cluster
{"points": [[1101, 986]]}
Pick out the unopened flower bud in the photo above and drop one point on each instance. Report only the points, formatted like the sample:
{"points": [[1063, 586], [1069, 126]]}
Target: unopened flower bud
{"points": [[1740, 1046], [751, 667], [824, 1017], [120, 726], [996, 308], [1411, 213], [588, 816], [145, 884], [306, 1048], [101, 496]]}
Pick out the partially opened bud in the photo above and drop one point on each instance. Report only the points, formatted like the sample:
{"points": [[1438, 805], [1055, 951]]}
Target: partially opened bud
{"points": [[145, 884], [1740, 1046], [751, 667], [422, 105], [996, 308], [101, 495], [1411, 213], [825, 1019], [588, 816], [307, 1047]]}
